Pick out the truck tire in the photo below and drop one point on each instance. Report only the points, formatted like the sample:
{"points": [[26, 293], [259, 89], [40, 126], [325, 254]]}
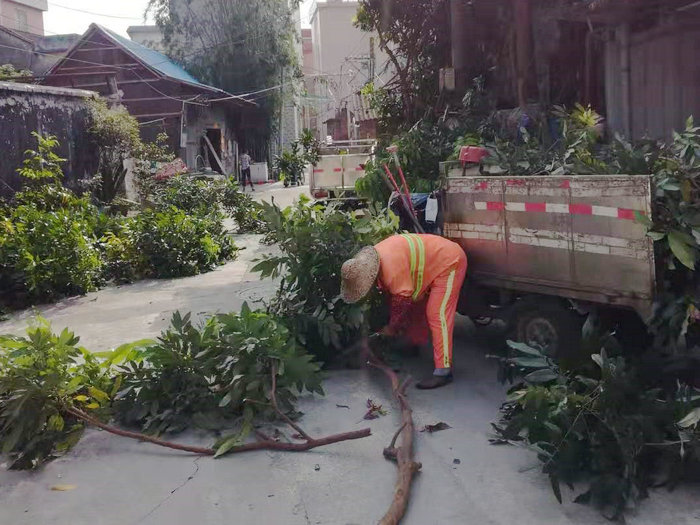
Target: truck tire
{"points": [[548, 324]]}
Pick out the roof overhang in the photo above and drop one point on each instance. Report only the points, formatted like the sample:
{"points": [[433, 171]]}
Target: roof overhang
{"points": [[216, 94]]}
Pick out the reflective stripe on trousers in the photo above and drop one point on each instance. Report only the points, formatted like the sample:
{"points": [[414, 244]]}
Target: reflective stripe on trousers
{"points": [[441, 311]]}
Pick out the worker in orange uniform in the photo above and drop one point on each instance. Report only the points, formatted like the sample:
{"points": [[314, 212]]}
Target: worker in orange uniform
{"points": [[423, 275]]}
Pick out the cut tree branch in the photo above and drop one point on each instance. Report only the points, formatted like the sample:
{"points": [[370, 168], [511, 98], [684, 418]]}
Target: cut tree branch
{"points": [[403, 454], [264, 442]]}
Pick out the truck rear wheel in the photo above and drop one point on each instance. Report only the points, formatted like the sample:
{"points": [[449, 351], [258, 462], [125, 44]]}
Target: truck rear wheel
{"points": [[547, 324]]}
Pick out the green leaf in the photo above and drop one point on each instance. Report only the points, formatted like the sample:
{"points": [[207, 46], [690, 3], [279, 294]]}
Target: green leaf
{"points": [[56, 422], [556, 488], [530, 362], [98, 394], [226, 400], [524, 348], [691, 420], [541, 376], [643, 220], [682, 251], [227, 445], [656, 236]]}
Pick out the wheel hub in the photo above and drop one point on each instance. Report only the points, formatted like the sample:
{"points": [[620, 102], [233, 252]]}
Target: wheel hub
{"points": [[541, 331]]}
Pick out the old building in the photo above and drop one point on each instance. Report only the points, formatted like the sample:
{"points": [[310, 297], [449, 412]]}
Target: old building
{"points": [[205, 125], [25, 16], [33, 52]]}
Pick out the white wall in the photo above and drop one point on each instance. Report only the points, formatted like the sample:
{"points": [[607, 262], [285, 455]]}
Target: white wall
{"points": [[339, 48]]}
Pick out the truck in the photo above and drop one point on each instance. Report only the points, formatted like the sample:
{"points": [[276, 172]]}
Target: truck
{"points": [[543, 250], [341, 164]]}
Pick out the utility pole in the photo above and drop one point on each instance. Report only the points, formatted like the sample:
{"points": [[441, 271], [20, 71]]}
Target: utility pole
{"points": [[372, 59], [280, 132]]}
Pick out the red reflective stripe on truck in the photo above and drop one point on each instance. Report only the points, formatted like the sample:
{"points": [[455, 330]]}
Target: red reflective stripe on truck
{"points": [[623, 213], [555, 207], [536, 206], [337, 169], [318, 171], [581, 209]]}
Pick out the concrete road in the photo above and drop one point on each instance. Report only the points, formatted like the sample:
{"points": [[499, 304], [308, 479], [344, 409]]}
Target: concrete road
{"points": [[276, 192], [464, 479]]}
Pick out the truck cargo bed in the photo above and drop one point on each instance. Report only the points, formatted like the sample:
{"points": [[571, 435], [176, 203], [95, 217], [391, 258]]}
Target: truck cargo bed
{"points": [[573, 236]]}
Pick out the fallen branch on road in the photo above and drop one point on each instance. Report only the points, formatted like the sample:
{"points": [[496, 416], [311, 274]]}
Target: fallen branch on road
{"points": [[403, 454], [264, 442]]}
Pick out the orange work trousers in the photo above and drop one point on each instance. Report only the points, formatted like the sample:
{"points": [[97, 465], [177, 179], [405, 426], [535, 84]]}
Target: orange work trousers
{"points": [[435, 314]]}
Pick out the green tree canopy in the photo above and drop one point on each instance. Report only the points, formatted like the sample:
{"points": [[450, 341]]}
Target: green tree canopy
{"points": [[413, 34], [241, 46]]}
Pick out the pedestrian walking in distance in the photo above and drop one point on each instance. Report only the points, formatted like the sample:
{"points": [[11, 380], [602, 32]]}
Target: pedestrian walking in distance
{"points": [[245, 171]]}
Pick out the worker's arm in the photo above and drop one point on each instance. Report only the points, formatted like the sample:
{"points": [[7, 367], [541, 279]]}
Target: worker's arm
{"points": [[400, 309]]}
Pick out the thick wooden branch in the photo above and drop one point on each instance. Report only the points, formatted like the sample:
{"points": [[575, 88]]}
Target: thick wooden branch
{"points": [[403, 454], [264, 442]]}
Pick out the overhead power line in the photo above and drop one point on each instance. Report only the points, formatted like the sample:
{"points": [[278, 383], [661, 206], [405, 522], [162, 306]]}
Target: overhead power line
{"points": [[94, 13]]}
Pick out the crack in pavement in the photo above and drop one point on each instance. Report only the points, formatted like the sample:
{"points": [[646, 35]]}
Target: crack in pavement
{"points": [[164, 500]]}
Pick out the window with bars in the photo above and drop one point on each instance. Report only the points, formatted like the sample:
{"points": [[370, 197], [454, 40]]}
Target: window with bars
{"points": [[21, 20]]}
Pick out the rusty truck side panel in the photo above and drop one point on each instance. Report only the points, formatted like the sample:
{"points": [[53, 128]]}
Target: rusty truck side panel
{"points": [[572, 236]]}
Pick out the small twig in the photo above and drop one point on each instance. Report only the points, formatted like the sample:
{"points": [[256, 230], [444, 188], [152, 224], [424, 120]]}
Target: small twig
{"points": [[262, 436], [282, 415], [396, 436]]}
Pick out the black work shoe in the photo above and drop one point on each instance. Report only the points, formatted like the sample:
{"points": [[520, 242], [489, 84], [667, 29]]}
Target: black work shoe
{"points": [[433, 381]]}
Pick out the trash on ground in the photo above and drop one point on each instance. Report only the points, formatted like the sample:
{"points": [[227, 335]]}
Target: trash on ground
{"points": [[437, 427], [374, 410]]}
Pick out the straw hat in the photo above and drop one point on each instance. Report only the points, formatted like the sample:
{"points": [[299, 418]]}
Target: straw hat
{"points": [[359, 275]]}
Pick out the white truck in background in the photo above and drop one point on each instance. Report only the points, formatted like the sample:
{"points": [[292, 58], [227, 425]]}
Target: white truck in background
{"points": [[340, 166]]}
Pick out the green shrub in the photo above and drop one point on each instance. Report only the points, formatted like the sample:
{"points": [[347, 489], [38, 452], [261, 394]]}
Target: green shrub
{"points": [[314, 243], [196, 197], [207, 376], [47, 255], [247, 213], [168, 242], [605, 427], [200, 197], [41, 376], [115, 133]]}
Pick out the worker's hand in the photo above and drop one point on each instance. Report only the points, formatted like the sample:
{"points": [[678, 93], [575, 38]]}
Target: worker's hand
{"points": [[388, 331]]}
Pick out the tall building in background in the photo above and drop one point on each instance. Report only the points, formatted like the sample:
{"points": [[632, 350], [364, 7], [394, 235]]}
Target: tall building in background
{"points": [[149, 36], [22, 40], [345, 59], [25, 16]]}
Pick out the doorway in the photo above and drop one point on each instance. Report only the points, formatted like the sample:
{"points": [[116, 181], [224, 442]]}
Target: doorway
{"points": [[213, 158]]}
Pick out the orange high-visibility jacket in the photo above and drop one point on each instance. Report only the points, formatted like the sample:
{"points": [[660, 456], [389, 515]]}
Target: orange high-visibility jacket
{"points": [[429, 270]]}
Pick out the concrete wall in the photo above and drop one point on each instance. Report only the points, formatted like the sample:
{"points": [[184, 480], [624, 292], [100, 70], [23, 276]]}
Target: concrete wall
{"points": [[33, 10], [61, 112], [664, 87]]}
